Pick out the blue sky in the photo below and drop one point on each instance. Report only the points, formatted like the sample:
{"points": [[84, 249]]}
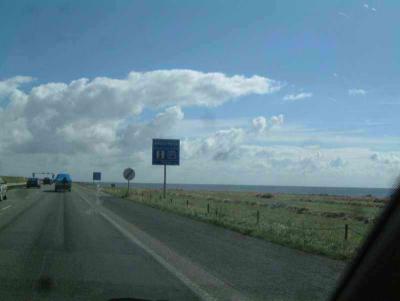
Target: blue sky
{"points": [[343, 57]]}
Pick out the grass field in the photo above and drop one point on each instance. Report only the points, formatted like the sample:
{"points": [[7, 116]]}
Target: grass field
{"points": [[312, 223], [11, 179]]}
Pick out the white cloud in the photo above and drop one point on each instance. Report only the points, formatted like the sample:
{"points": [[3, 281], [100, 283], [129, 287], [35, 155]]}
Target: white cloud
{"points": [[259, 123], [298, 96], [138, 136], [374, 157], [366, 6], [282, 164], [337, 163], [14, 82], [225, 144], [390, 159], [353, 92], [90, 115], [109, 98], [277, 120], [344, 15], [219, 146], [97, 124]]}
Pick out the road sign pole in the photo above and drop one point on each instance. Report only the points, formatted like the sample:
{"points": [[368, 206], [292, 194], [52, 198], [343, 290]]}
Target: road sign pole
{"points": [[165, 179], [165, 152], [129, 174]]}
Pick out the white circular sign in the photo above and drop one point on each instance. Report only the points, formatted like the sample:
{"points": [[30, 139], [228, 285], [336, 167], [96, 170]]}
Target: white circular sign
{"points": [[129, 174]]}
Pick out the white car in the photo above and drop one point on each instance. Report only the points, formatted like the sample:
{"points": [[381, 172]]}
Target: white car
{"points": [[3, 189]]}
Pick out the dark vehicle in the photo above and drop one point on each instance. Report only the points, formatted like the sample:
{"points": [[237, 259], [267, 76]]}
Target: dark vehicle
{"points": [[32, 182], [63, 182], [46, 181]]}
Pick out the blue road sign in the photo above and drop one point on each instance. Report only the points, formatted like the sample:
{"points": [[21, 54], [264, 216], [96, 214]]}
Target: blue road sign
{"points": [[96, 176], [166, 151]]}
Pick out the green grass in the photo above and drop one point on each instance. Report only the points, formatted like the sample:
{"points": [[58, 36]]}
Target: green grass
{"points": [[11, 179], [312, 223]]}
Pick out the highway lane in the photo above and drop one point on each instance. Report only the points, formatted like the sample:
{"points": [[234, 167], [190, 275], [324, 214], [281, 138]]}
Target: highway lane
{"points": [[258, 269], [86, 245], [55, 246]]}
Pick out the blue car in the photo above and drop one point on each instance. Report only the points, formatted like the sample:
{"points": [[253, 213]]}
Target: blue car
{"points": [[62, 182]]}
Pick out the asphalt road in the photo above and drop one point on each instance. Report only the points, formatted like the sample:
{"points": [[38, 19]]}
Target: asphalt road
{"points": [[85, 245], [54, 247]]}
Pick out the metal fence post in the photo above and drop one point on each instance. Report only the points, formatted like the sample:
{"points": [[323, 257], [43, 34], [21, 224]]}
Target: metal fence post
{"points": [[208, 208], [346, 231], [187, 203], [258, 217]]}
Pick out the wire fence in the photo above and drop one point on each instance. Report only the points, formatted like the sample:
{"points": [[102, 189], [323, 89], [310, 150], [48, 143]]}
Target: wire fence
{"points": [[340, 240], [356, 232]]}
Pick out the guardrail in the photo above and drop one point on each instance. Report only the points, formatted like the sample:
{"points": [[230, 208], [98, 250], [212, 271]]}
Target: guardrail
{"points": [[15, 185]]}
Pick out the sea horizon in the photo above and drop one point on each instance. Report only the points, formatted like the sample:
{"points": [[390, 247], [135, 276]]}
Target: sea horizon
{"points": [[292, 189]]}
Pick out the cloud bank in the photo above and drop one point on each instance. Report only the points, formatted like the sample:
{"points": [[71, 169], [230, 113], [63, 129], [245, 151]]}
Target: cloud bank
{"points": [[107, 124], [94, 115]]}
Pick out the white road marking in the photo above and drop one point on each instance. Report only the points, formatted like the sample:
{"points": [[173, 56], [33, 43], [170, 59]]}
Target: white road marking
{"points": [[197, 290], [6, 207], [173, 269], [191, 285]]}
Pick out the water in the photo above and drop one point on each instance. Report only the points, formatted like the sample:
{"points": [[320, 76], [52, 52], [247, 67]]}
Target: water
{"points": [[344, 191]]}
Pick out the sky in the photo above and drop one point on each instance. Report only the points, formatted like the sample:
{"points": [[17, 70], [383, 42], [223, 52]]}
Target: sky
{"points": [[261, 93]]}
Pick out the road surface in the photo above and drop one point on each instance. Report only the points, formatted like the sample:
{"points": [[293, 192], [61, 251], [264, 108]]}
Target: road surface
{"points": [[85, 245]]}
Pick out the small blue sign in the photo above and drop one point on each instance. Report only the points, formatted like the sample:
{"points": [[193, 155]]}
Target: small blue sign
{"points": [[166, 151], [96, 176]]}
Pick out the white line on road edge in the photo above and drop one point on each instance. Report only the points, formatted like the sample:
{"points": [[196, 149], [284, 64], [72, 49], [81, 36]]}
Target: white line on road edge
{"points": [[6, 207], [192, 286], [228, 292]]}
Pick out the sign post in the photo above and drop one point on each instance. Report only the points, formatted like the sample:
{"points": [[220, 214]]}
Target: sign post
{"points": [[128, 174], [165, 152], [165, 180]]}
